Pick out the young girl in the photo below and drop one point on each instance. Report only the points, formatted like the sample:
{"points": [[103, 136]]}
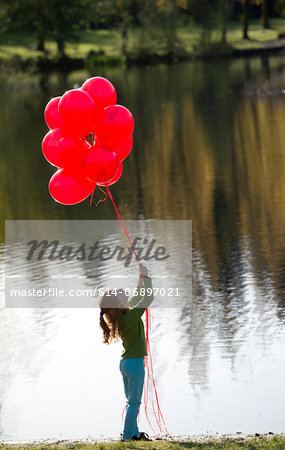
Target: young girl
{"points": [[120, 317]]}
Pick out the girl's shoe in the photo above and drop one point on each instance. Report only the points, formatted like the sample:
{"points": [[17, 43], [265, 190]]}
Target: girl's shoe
{"points": [[142, 437], [122, 439]]}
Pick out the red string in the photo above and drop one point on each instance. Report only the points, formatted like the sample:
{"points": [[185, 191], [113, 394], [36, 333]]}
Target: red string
{"points": [[124, 410], [119, 217], [149, 367], [92, 196]]}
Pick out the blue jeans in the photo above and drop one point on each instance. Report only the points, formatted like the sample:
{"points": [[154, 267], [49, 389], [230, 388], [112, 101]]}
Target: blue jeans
{"points": [[132, 370]]}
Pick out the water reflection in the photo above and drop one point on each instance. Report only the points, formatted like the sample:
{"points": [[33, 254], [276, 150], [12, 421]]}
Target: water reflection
{"points": [[208, 148]]}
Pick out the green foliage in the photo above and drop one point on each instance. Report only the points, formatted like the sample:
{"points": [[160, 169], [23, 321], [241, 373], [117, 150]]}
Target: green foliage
{"points": [[96, 59], [148, 34], [211, 14], [169, 19], [280, 7], [202, 11], [211, 48], [54, 18], [121, 14]]}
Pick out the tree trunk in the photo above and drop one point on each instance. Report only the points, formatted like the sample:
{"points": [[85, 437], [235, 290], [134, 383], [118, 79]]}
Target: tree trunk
{"points": [[223, 20], [170, 26], [41, 42], [265, 13], [224, 33], [245, 18], [124, 40], [60, 47]]}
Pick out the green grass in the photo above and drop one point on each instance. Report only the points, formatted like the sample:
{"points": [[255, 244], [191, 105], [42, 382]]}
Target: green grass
{"points": [[252, 443], [23, 45]]}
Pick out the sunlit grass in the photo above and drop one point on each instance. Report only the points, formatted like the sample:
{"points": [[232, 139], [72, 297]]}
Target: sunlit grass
{"points": [[8, 52]]}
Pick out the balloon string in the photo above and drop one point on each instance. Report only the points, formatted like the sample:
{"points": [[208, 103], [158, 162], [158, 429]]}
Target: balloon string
{"points": [[124, 410], [149, 367], [101, 198], [119, 217], [159, 413], [91, 199]]}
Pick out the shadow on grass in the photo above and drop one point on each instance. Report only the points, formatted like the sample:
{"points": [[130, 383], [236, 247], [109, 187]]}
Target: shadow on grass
{"points": [[17, 39]]}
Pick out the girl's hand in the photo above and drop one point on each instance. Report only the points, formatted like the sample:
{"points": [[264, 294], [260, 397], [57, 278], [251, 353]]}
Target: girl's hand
{"points": [[143, 270]]}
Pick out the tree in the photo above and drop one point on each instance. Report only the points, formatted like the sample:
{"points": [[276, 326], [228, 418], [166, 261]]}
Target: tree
{"points": [[125, 23], [265, 13], [120, 13], [209, 13], [64, 18], [246, 5], [25, 15], [264, 4], [149, 32], [58, 19], [224, 9], [168, 11]]}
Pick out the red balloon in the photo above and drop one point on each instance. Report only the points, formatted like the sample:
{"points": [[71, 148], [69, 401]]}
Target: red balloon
{"points": [[52, 117], [117, 127], [101, 164], [116, 177], [62, 151], [124, 149], [70, 188], [78, 112], [101, 91]]}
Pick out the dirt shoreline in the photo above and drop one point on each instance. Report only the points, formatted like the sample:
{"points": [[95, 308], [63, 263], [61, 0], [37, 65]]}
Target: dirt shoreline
{"points": [[199, 439]]}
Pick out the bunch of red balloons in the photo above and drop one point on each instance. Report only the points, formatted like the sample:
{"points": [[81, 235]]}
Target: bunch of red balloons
{"points": [[90, 135]]}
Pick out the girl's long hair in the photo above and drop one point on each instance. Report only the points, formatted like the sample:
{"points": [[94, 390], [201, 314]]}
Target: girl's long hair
{"points": [[111, 327]]}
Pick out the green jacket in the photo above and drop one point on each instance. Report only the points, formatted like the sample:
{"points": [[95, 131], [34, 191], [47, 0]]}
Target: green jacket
{"points": [[132, 331]]}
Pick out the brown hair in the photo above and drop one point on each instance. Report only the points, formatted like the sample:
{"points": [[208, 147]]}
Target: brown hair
{"points": [[112, 326]]}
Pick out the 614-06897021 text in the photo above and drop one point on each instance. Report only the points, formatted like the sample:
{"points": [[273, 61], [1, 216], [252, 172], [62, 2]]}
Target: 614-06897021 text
{"points": [[56, 292]]}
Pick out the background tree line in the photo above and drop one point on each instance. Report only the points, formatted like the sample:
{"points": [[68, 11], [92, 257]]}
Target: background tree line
{"points": [[58, 20]]}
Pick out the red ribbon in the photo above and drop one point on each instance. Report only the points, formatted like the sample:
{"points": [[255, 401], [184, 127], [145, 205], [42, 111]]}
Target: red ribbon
{"points": [[148, 359]]}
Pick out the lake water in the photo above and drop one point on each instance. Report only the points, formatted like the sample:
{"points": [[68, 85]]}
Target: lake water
{"points": [[209, 147]]}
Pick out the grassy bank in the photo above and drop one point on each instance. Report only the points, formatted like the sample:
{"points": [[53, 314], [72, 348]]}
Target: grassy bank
{"points": [[104, 46], [202, 442]]}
